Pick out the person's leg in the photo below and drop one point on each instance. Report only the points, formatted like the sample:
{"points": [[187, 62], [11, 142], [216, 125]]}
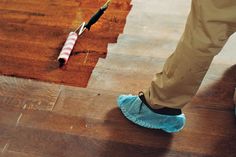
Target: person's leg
{"points": [[209, 25]]}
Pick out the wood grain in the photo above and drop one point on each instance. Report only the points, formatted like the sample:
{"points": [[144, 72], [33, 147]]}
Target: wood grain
{"points": [[31, 94], [57, 133], [87, 122], [32, 35]]}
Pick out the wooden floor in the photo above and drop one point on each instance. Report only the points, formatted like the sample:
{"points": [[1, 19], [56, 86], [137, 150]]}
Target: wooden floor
{"points": [[32, 34], [39, 119]]}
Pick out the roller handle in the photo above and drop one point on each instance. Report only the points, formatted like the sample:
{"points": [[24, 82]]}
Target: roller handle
{"points": [[96, 16], [94, 19]]}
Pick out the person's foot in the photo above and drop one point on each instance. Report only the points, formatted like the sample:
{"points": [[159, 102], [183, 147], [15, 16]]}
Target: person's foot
{"points": [[141, 114]]}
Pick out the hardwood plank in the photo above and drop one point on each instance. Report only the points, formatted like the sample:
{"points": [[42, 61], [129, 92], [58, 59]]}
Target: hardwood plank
{"points": [[115, 5], [18, 154], [11, 102], [57, 144], [46, 15], [5, 136], [80, 56], [8, 120], [87, 103], [139, 20], [118, 71], [134, 63], [46, 70], [119, 81], [159, 47], [56, 131], [16, 92], [110, 24]]}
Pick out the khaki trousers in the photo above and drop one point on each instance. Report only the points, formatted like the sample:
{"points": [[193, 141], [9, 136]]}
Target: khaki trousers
{"points": [[209, 25]]}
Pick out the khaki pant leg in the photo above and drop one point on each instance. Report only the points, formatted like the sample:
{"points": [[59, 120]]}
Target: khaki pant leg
{"points": [[209, 25]]}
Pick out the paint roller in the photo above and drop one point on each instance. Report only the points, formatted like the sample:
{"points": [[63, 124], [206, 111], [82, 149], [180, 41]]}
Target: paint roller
{"points": [[73, 36]]}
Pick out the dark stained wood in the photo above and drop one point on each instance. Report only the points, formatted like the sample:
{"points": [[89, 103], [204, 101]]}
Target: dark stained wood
{"points": [[18, 154], [70, 145], [49, 134], [218, 90], [32, 35]]}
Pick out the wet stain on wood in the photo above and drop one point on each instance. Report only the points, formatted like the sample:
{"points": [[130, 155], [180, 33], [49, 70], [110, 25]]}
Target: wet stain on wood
{"points": [[32, 34]]}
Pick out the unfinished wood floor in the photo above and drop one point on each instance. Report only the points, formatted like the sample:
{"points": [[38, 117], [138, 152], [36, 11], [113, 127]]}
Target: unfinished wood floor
{"points": [[39, 119]]}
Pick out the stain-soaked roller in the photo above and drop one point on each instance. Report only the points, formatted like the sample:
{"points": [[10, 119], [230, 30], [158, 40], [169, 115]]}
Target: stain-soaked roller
{"points": [[67, 48], [73, 36]]}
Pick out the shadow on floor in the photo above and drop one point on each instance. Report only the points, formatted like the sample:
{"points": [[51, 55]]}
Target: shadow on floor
{"points": [[134, 141]]}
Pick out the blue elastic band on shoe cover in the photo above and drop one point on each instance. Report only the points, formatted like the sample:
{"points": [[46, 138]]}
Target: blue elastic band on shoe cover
{"points": [[130, 106]]}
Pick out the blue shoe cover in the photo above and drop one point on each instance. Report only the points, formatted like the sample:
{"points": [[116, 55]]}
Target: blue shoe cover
{"points": [[130, 107]]}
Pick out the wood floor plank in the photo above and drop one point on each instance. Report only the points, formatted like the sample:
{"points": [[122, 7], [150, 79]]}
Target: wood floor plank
{"points": [[134, 72], [45, 14], [119, 81], [8, 121], [142, 64], [20, 92], [85, 103], [5, 136], [18, 154], [67, 75], [109, 23], [69, 145], [160, 47], [116, 4]]}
